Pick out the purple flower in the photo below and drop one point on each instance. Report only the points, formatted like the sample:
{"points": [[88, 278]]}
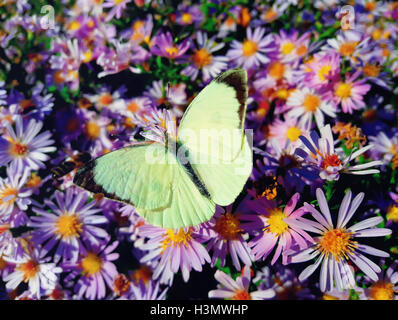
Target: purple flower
{"points": [[163, 45], [238, 289], [94, 269], [227, 237], [271, 227], [72, 222], [173, 250], [335, 246], [24, 146], [252, 52]]}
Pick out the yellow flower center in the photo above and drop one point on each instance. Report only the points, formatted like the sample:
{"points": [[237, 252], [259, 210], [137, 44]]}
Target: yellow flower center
{"points": [[275, 222], [249, 48], [202, 58], [241, 295], [392, 213], [311, 102], [176, 239], [186, 18], [91, 264], [287, 48], [343, 90], [29, 269], [347, 49], [381, 291], [293, 133], [87, 56], [74, 25], [172, 51], [323, 72], [228, 226], [92, 130], [336, 242], [69, 226], [8, 195]]}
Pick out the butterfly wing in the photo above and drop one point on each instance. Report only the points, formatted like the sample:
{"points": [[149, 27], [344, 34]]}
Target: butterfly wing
{"points": [[147, 176], [138, 174], [212, 130]]}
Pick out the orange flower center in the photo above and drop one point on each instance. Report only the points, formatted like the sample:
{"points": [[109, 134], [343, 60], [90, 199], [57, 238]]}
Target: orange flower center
{"points": [[371, 70], [381, 291], [68, 226], [249, 48], [331, 160], [241, 295], [29, 269], [276, 70], [202, 58], [348, 48], [133, 107], [228, 226], [144, 273], [105, 99], [337, 242], [92, 130], [121, 284], [8, 195], [18, 149], [311, 102]]}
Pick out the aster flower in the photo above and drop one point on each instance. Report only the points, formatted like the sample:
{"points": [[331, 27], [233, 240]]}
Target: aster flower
{"points": [[335, 246], [386, 147], [271, 228], [305, 104], [173, 250], [284, 282], [117, 7], [226, 237], [24, 146], [13, 192], [238, 289], [252, 52], [291, 47], [202, 59], [35, 270], [94, 269], [72, 221], [385, 288], [350, 94], [320, 152], [151, 291], [322, 69], [286, 131], [163, 45]]}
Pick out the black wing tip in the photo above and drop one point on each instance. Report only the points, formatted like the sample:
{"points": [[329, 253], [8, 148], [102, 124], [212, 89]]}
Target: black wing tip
{"points": [[84, 178]]}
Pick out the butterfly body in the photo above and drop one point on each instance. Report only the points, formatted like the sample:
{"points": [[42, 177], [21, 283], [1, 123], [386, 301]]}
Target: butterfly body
{"points": [[178, 182]]}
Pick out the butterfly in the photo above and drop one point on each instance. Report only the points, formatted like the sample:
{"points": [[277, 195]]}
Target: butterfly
{"points": [[178, 181]]}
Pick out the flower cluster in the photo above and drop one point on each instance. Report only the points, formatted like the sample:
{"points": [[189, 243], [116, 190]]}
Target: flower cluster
{"points": [[317, 218]]}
